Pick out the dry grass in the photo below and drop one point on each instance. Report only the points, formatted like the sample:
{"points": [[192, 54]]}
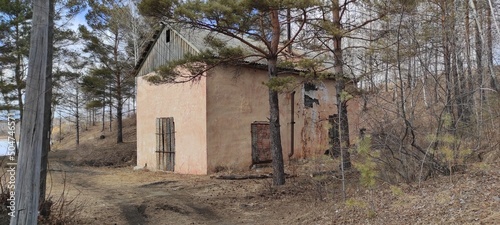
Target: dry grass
{"points": [[425, 131], [96, 151]]}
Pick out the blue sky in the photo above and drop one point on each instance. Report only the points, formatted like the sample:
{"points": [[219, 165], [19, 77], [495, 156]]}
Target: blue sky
{"points": [[3, 114], [78, 20], [4, 145]]}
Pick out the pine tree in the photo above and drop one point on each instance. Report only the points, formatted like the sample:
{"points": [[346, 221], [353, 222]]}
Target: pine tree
{"points": [[108, 46], [14, 46], [94, 85]]}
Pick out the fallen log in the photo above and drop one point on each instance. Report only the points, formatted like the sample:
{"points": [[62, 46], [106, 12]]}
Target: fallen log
{"points": [[246, 176], [242, 177], [321, 173]]}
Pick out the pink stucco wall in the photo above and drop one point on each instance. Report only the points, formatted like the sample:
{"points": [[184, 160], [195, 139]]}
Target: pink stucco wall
{"points": [[213, 119], [236, 97], [186, 103]]}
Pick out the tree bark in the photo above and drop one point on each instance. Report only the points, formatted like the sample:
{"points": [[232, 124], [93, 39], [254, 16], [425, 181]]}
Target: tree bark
{"points": [[340, 86], [119, 121], [77, 116], [18, 73], [103, 112], [275, 134], [110, 111], [447, 55], [468, 87], [274, 116], [119, 100], [27, 192], [489, 41], [119, 110], [19, 79], [479, 58]]}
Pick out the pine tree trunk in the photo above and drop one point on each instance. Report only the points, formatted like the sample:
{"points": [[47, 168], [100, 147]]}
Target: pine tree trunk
{"points": [[103, 112], [119, 100], [110, 111], [60, 128], [340, 86], [119, 121], [77, 117], [274, 124], [18, 73], [274, 111], [19, 82]]}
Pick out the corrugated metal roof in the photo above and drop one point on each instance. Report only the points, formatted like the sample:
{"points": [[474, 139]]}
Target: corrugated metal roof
{"points": [[195, 38]]}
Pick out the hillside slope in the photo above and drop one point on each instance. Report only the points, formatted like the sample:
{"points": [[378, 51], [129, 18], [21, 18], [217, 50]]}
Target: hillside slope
{"points": [[97, 147]]}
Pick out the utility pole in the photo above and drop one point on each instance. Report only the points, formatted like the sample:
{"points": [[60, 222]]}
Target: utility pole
{"points": [[36, 108]]}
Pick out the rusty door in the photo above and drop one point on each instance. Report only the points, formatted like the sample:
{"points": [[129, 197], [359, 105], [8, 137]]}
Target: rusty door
{"points": [[261, 142]]}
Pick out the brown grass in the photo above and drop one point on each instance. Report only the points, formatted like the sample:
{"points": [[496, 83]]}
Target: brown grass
{"points": [[95, 151]]}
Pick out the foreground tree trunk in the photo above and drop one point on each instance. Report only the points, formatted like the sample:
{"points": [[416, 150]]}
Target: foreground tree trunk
{"points": [[274, 116], [48, 115], [27, 192], [340, 86], [274, 125]]}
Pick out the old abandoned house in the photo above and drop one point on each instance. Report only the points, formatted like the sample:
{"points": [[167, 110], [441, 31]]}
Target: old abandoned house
{"points": [[221, 120]]}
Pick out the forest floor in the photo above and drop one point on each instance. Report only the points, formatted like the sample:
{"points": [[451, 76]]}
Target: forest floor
{"points": [[96, 184]]}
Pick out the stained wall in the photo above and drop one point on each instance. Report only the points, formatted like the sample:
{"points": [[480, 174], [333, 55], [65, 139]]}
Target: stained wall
{"points": [[186, 103], [236, 97]]}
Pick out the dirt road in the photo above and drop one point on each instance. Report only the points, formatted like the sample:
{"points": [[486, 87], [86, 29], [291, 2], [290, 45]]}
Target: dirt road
{"points": [[124, 196]]}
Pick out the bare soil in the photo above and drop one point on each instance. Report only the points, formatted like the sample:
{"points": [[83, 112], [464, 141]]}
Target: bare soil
{"points": [[101, 190], [124, 196]]}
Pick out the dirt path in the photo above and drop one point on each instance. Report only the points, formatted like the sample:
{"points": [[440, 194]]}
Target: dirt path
{"points": [[124, 196]]}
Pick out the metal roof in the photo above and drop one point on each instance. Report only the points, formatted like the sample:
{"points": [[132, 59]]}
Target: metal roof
{"points": [[195, 38]]}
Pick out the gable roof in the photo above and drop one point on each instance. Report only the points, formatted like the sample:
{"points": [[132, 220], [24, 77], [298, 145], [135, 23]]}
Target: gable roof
{"points": [[157, 51], [168, 43]]}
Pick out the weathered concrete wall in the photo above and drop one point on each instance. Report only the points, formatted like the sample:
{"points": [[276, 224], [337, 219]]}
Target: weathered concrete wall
{"points": [[237, 97], [213, 119], [353, 110], [186, 103], [317, 103]]}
